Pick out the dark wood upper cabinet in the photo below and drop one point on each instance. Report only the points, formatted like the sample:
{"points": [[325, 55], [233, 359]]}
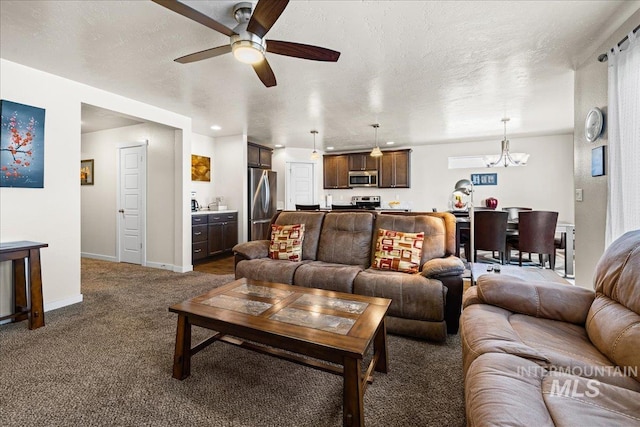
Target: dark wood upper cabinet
{"points": [[362, 162], [395, 169], [258, 156], [336, 171]]}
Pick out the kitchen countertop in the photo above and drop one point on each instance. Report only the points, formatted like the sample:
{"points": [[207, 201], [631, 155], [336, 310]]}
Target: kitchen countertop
{"points": [[206, 212]]}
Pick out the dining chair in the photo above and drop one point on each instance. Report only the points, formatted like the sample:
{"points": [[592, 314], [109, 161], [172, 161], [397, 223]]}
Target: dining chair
{"points": [[490, 233], [307, 207], [536, 234]]}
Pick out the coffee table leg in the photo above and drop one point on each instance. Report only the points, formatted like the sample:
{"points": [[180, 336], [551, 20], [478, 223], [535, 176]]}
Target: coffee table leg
{"points": [[353, 403], [380, 348], [182, 355]]}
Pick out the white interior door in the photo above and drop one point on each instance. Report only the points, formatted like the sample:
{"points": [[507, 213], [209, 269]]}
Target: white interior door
{"points": [[301, 185], [132, 205]]}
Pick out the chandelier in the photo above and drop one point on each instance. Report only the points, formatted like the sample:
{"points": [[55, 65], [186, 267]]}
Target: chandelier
{"points": [[314, 154], [376, 150], [506, 158]]}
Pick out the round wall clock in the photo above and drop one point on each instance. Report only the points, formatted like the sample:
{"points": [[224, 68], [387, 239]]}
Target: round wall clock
{"points": [[593, 124]]}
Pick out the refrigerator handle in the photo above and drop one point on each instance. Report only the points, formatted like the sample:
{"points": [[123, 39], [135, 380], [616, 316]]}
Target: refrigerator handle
{"points": [[267, 199]]}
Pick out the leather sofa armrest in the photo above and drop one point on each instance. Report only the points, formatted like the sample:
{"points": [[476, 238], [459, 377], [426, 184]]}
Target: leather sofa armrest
{"points": [[554, 301], [441, 267], [252, 250]]}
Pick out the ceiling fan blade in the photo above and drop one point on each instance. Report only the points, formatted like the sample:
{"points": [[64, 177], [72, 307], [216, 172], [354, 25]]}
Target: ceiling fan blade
{"points": [[194, 15], [303, 51], [265, 15], [204, 54], [265, 73]]}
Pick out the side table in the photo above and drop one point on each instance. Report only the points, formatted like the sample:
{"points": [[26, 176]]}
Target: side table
{"points": [[27, 294]]}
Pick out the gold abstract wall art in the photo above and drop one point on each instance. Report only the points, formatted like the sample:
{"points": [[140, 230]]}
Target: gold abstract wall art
{"points": [[200, 168]]}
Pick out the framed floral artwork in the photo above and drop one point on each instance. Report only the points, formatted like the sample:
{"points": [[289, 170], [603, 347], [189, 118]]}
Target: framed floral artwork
{"points": [[86, 172], [21, 145]]}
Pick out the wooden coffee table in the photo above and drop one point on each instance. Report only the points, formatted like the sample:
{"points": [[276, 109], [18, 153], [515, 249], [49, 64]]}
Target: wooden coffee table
{"points": [[312, 323]]}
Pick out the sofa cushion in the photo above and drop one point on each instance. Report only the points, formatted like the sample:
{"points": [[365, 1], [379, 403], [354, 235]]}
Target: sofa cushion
{"points": [[433, 227], [312, 225], [346, 238], [413, 296], [398, 251], [268, 270], [502, 389], [551, 343], [613, 322], [328, 276], [286, 242]]}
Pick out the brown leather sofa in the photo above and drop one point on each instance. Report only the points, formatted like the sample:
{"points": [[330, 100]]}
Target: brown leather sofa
{"points": [[337, 254], [544, 354]]}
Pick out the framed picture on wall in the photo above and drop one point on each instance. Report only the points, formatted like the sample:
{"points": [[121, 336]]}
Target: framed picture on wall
{"points": [[200, 168], [21, 145], [86, 172], [598, 161]]}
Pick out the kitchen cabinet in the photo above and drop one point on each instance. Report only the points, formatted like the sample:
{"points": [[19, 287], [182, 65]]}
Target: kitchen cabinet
{"points": [[395, 169], [222, 232], [258, 156], [362, 162], [336, 171], [212, 234]]}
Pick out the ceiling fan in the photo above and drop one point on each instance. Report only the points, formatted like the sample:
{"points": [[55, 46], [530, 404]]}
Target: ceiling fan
{"points": [[247, 39]]}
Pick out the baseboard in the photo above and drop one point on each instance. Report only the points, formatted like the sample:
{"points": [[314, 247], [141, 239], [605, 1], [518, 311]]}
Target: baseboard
{"points": [[63, 302], [161, 266], [185, 269], [98, 257]]}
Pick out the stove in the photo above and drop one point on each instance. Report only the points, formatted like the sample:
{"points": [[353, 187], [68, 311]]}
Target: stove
{"points": [[365, 202]]}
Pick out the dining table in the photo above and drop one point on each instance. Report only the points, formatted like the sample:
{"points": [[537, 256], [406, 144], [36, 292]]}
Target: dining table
{"points": [[567, 229]]}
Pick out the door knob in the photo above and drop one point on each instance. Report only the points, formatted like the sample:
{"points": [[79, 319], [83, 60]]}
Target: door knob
{"points": [[121, 210]]}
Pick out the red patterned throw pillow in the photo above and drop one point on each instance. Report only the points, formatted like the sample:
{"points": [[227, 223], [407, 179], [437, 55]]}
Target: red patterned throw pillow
{"points": [[286, 242], [398, 251]]}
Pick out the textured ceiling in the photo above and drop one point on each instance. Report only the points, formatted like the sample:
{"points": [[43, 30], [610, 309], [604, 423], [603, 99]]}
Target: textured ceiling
{"points": [[427, 71]]}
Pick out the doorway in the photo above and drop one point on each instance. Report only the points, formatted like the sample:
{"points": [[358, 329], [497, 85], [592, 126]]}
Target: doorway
{"points": [[132, 190], [300, 184]]}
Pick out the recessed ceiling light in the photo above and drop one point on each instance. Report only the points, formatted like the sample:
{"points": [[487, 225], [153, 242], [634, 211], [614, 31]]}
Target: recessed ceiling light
{"points": [[278, 145], [215, 127], [390, 142], [329, 148]]}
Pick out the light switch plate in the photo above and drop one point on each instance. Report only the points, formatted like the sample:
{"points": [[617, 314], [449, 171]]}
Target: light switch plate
{"points": [[578, 194]]}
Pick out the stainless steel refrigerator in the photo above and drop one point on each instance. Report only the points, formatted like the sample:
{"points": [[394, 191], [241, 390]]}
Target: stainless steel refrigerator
{"points": [[262, 202]]}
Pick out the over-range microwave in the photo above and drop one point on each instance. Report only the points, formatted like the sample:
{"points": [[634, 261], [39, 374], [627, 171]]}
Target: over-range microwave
{"points": [[363, 179]]}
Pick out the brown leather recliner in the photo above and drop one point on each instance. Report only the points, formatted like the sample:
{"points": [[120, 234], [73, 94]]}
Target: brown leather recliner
{"points": [[540, 353]]}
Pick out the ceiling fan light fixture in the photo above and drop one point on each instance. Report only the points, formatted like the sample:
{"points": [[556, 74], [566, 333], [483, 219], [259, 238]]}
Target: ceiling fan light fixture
{"points": [[248, 51]]}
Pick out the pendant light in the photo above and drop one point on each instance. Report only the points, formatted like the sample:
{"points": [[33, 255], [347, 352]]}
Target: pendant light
{"points": [[507, 159], [314, 154], [376, 150]]}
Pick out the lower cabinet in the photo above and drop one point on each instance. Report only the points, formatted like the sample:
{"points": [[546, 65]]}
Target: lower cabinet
{"points": [[213, 234]]}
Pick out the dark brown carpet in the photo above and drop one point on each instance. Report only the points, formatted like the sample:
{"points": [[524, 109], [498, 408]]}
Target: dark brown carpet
{"points": [[107, 361]]}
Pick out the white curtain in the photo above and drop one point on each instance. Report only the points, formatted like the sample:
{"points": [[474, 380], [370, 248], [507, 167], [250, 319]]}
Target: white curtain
{"points": [[623, 204]]}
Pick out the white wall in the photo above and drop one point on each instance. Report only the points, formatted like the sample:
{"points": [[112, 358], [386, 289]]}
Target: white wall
{"points": [[546, 183], [52, 214], [99, 204], [202, 145], [231, 177], [591, 91]]}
